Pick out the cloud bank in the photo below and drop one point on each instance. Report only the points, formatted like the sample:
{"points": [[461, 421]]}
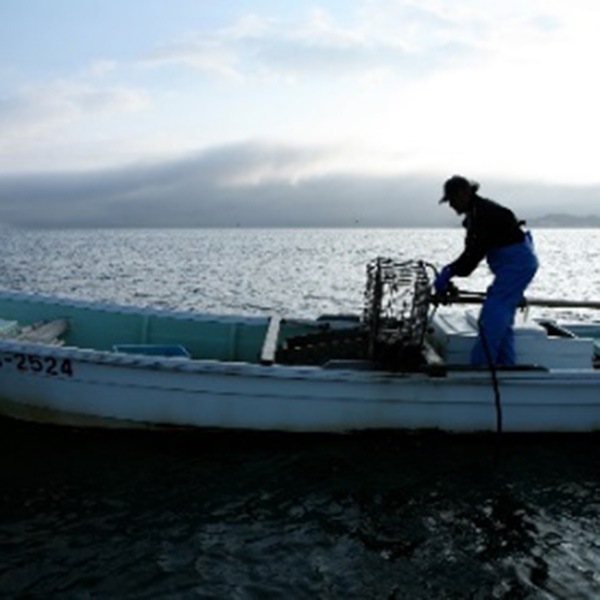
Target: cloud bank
{"points": [[256, 185]]}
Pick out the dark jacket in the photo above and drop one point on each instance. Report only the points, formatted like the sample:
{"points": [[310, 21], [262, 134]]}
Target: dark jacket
{"points": [[489, 226]]}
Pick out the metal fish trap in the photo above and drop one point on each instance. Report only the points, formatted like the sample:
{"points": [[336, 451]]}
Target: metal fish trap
{"points": [[395, 312]]}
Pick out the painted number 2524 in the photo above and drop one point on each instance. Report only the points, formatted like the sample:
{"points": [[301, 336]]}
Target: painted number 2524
{"points": [[43, 364]]}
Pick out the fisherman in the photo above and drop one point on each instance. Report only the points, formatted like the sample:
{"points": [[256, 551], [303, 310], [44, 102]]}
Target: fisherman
{"points": [[493, 232]]}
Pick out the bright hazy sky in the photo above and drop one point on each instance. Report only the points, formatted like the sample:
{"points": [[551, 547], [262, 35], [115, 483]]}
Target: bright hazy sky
{"points": [[135, 96]]}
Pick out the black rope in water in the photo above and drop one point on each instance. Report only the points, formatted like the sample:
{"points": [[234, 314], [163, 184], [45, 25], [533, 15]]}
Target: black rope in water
{"points": [[492, 366], [450, 294]]}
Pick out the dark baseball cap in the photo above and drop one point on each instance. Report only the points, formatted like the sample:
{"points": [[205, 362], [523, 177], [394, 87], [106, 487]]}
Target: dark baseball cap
{"points": [[454, 184]]}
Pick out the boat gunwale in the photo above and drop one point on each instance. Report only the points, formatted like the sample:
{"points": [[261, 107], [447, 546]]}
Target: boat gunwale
{"points": [[454, 373], [203, 366]]}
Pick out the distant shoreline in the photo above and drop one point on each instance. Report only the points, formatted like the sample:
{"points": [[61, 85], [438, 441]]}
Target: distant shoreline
{"points": [[566, 221], [550, 221]]}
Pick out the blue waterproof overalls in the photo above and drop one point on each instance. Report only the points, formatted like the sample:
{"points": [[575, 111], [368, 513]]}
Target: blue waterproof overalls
{"points": [[513, 267], [494, 232]]}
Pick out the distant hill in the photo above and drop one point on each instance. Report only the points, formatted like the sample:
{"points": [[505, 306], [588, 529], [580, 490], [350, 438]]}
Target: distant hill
{"points": [[565, 220]]}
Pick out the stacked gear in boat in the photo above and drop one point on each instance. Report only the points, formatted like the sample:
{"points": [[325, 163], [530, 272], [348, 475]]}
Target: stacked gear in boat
{"points": [[391, 330], [42, 332]]}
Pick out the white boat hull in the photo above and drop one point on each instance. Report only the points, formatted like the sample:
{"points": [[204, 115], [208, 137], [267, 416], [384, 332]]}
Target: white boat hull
{"points": [[76, 368], [133, 392]]}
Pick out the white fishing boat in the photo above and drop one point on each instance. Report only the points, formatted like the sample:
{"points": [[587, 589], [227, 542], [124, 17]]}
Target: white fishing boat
{"points": [[403, 364]]}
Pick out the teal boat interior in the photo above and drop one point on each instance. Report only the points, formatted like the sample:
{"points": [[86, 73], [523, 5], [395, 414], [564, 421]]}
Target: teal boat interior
{"points": [[331, 340], [161, 332]]}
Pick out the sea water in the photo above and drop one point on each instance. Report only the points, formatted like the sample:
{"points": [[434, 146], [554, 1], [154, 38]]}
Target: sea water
{"points": [[232, 515]]}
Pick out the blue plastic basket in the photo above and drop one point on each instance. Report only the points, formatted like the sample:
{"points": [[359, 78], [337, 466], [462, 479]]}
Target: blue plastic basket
{"points": [[153, 349]]}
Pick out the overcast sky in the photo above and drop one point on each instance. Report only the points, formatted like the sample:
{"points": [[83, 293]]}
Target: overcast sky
{"points": [[264, 112]]}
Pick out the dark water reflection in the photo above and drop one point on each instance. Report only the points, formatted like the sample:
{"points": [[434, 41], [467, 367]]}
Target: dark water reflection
{"points": [[90, 515]]}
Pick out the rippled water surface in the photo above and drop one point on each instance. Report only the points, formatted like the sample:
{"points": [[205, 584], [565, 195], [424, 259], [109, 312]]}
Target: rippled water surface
{"points": [[295, 271], [209, 515]]}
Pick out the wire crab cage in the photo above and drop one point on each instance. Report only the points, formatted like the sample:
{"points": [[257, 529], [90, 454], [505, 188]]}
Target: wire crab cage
{"points": [[395, 313], [391, 331]]}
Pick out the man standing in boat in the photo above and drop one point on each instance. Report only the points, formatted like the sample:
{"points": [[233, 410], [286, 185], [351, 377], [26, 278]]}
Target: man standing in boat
{"points": [[493, 232]]}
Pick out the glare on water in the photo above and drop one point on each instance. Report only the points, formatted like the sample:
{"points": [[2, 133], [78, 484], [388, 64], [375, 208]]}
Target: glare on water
{"points": [[300, 272]]}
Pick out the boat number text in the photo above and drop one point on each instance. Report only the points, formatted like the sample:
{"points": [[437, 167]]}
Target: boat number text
{"points": [[38, 364]]}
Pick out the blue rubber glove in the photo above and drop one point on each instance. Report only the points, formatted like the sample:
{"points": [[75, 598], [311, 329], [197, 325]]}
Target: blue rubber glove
{"points": [[442, 280]]}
